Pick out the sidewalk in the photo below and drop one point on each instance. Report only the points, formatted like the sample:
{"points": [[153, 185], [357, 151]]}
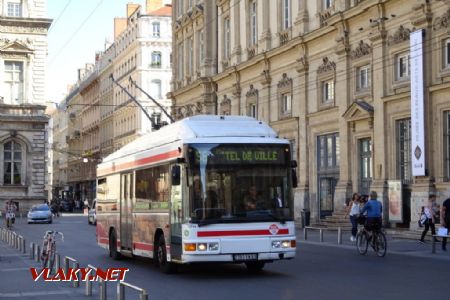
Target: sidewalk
{"points": [[405, 244], [17, 282]]}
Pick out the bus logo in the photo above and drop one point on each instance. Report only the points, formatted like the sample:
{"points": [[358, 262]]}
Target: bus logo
{"points": [[273, 229]]}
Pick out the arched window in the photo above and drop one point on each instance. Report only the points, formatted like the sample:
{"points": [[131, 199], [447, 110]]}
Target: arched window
{"points": [[12, 166]]}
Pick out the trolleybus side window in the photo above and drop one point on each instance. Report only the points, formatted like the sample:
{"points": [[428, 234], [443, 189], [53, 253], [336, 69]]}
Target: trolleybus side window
{"points": [[152, 188]]}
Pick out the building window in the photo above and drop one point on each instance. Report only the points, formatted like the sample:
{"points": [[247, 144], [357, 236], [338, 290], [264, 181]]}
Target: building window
{"points": [[328, 153], [156, 117], [447, 142], [156, 88], [447, 54], [156, 29], [190, 56], [12, 167], [402, 66], [328, 91], [252, 110], [156, 59], [13, 93], [227, 39], [253, 23], [286, 103], [363, 77], [286, 11], [327, 4], [14, 9], [404, 150], [365, 165]]}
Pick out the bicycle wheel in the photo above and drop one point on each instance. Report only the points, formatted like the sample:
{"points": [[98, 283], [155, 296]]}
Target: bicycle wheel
{"points": [[44, 259], [51, 261], [361, 242], [381, 245]]}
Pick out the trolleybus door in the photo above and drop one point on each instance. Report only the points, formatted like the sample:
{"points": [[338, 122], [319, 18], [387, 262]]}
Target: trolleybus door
{"points": [[176, 212], [126, 194]]}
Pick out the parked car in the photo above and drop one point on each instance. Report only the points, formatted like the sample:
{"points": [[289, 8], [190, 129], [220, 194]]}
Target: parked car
{"points": [[39, 213], [92, 215]]}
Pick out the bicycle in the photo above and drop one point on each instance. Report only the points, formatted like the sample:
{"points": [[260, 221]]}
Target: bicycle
{"points": [[9, 216], [48, 251], [375, 237]]}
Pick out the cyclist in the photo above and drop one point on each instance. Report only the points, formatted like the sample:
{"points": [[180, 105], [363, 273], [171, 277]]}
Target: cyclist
{"points": [[374, 210], [10, 213]]}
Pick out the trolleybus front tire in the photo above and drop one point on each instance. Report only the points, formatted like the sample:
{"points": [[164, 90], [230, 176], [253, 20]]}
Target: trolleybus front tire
{"points": [[161, 257]]}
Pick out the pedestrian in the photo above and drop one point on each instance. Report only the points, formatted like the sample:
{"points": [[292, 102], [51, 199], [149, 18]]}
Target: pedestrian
{"points": [[353, 210], [445, 220], [430, 220], [10, 213], [374, 210]]}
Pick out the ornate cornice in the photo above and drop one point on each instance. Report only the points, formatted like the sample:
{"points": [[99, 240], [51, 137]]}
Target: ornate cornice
{"points": [[252, 92], [400, 35], [361, 50], [327, 66], [442, 21], [285, 81]]}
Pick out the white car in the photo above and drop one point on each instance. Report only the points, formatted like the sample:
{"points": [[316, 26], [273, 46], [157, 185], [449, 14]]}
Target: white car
{"points": [[92, 216]]}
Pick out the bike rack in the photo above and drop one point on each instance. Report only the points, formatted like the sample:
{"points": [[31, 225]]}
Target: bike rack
{"points": [[143, 295], [75, 265], [321, 230], [101, 285]]}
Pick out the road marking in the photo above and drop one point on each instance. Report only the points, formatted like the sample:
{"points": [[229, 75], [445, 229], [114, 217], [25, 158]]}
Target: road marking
{"points": [[32, 294], [14, 269]]}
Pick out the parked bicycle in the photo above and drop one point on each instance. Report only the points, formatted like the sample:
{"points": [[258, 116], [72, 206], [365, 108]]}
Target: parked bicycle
{"points": [[48, 252], [375, 237]]}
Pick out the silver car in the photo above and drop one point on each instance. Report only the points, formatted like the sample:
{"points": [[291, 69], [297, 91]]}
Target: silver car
{"points": [[40, 213]]}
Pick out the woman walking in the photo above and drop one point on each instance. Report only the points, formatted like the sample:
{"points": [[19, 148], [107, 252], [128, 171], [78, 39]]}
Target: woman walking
{"points": [[429, 223], [353, 210]]}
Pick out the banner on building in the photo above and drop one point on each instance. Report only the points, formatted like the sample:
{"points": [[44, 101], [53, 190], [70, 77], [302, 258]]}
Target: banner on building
{"points": [[395, 201], [417, 104]]}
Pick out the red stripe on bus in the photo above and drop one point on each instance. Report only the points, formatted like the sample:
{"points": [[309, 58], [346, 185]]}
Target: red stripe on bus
{"points": [[143, 246], [103, 241], [140, 162], [239, 232]]}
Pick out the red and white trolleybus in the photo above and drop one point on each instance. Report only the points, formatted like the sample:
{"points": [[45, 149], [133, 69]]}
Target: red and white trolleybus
{"points": [[203, 189]]}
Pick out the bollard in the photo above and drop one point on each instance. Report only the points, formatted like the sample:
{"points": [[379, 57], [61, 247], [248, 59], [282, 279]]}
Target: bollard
{"points": [[32, 250], [305, 233], [38, 254], [66, 265], [24, 246], [88, 291], [339, 235], [57, 261], [76, 265], [102, 288], [76, 282], [321, 235], [121, 291]]}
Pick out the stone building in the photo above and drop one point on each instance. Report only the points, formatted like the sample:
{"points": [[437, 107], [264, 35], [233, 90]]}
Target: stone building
{"points": [[23, 123], [333, 77], [102, 117]]}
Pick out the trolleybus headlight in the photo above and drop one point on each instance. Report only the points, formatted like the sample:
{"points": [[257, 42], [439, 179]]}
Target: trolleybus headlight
{"points": [[202, 247], [213, 246], [276, 244], [190, 247], [285, 244]]}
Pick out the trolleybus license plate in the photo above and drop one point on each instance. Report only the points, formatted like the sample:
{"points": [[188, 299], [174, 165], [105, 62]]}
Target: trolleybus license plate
{"points": [[245, 256]]}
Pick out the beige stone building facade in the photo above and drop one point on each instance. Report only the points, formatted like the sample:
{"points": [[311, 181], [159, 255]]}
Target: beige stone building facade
{"points": [[333, 77], [102, 117], [23, 123]]}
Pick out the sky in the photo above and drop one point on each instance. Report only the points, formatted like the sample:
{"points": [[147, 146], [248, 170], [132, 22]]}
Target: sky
{"points": [[78, 31]]}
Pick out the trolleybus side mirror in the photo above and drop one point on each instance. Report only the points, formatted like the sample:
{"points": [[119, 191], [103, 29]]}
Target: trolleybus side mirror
{"points": [[176, 178], [294, 173]]}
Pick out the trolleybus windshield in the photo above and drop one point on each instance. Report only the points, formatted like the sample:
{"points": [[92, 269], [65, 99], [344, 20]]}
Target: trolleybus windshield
{"points": [[239, 183]]}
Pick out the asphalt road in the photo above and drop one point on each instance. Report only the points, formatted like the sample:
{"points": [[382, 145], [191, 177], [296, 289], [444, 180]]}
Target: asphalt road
{"points": [[320, 271]]}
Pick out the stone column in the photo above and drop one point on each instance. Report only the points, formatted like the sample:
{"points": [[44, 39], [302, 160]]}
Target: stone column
{"points": [[264, 96], [266, 36], [300, 109], [235, 17], [302, 19]]}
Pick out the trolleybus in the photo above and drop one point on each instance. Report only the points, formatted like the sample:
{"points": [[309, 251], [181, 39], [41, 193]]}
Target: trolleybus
{"points": [[203, 189]]}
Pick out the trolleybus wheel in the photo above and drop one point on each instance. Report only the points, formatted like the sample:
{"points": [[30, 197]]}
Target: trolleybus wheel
{"points": [[255, 266], [113, 246], [161, 257]]}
